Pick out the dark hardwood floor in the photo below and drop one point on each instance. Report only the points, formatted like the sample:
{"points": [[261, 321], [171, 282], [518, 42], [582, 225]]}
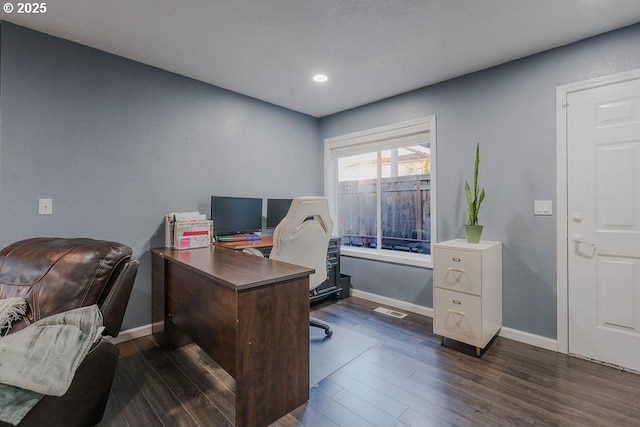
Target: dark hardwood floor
{"points": [[407, 379]]}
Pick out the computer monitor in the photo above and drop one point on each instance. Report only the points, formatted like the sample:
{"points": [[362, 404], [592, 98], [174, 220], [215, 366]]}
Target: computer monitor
{"points": [[235, 215], [276, 210]]}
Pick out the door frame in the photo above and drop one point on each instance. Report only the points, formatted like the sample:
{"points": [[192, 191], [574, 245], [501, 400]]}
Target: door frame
{"points": [[562, 226]]}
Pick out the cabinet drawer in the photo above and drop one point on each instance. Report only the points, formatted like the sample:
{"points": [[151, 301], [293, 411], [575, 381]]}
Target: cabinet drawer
{"points": [[458, 270], [459, 313]]}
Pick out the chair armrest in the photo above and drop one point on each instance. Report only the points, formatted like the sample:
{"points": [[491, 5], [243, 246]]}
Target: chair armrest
{"points": [[114, 305], [85, 401]]}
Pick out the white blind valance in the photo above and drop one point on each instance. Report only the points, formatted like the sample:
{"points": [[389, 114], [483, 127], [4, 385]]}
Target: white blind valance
{"points": [[404, 134]]}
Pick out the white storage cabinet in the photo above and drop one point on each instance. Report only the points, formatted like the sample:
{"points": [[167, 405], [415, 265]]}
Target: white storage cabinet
{"points": [[467, 291]]}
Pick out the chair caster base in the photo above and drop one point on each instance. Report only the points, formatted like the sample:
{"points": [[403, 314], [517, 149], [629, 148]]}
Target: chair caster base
{"points": [[327, 330]]}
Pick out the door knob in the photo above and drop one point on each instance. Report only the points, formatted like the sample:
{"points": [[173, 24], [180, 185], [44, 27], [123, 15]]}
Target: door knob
{"points": [[577, 238], [577, 217]]}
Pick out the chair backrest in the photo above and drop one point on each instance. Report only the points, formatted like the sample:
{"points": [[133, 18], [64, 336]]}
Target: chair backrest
{"points": [[303, 235], [59, 274]]}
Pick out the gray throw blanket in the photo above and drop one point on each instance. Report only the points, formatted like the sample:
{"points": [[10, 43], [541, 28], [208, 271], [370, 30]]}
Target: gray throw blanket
{"points": [[42, 359], [11, 309]]}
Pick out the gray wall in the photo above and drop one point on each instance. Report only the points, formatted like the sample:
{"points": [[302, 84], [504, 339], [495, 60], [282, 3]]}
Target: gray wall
{"points": [[117, 144], [511, 111]]}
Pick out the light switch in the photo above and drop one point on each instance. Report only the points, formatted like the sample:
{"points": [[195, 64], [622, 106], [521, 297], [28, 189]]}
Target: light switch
{"points": [[542, 207], [45, 206]]}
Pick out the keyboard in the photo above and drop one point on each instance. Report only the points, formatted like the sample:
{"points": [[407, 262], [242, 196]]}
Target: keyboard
{"points": [[237, 237]]}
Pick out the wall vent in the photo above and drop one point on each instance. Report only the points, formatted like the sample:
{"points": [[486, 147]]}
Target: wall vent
{"points": [[391, 313]]}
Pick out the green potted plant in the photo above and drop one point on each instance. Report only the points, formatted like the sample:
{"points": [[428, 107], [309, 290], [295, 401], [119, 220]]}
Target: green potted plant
{"points": [[474, 199]]}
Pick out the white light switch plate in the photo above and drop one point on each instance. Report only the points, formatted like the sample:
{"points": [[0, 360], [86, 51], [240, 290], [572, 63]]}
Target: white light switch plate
{"points": [[45, 206], [542, 207]]}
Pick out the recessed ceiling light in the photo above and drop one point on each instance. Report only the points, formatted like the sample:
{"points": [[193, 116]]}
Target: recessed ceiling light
{"points": [[320, 78]]}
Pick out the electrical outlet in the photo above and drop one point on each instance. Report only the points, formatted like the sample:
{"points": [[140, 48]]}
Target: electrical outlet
{"points": [[45, 206]]}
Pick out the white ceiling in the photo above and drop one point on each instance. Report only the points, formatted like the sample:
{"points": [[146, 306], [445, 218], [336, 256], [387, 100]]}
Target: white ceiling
{"points": [[371, 49]]}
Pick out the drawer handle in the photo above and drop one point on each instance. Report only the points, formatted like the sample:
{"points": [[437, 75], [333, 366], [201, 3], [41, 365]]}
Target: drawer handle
{"points": [[459, 313], [455, 259], [456, 270]]}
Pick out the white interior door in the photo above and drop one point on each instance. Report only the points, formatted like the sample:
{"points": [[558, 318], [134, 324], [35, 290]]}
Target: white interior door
{"points": [[603, 201]]}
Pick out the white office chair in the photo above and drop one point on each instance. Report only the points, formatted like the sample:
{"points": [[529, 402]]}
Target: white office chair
{"points": [[302, 238]]}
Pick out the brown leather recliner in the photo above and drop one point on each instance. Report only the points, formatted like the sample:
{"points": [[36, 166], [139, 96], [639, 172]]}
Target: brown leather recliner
{"points": [[59, 274]]}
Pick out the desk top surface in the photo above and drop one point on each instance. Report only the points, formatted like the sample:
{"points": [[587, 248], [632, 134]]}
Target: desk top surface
{"points": [[233, 268]]}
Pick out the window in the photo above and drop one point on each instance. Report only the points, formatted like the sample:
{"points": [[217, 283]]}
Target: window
{"points": [[380, 184]]}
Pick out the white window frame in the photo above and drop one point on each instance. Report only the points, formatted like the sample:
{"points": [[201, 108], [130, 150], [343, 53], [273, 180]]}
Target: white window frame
{"points": [[381, 138]]}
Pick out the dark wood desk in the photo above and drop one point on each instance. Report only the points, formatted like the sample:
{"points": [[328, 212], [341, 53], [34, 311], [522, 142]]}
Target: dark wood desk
{"points": [[250, 314]]}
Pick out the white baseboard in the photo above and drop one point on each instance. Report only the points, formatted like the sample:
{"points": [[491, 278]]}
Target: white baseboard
{"points": [[529, 338], [512, 334], [400, 305], [131, 334]]}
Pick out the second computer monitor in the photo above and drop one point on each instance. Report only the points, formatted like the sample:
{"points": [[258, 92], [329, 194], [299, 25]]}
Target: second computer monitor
{"points": [[276, 210]]}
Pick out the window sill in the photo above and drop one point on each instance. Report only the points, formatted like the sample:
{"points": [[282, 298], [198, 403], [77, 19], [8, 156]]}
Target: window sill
{"points": [[414, 260]]}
